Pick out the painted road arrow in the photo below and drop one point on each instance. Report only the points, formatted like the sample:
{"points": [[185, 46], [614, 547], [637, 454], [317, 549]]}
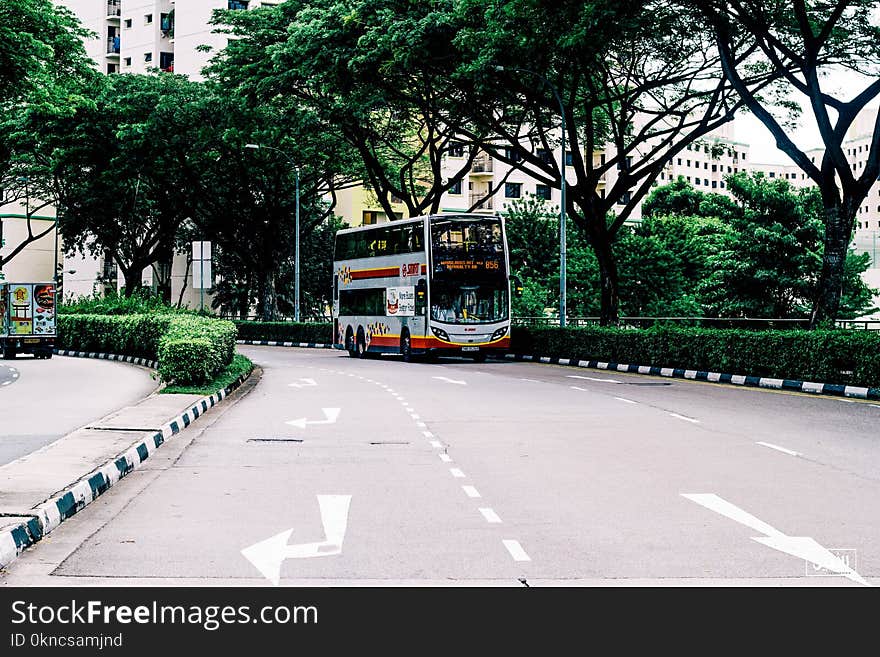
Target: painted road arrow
{"points": [[330, 415], [798, 546], [305, 383], [268, 556], [448, 380]]}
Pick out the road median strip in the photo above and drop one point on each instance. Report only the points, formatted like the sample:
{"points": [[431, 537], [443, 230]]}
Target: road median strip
{"points": [[792, 385], [18, 531]]}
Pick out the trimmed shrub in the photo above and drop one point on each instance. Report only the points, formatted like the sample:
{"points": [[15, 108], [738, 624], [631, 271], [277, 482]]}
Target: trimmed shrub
{"points": [[828, 356], [320, 332], [190, 349]]}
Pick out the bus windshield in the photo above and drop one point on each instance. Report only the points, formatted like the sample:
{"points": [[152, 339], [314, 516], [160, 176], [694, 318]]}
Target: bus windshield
{"points": [[468, 304]]}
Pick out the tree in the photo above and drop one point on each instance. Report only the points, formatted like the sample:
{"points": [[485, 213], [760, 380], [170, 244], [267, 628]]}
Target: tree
{"points": [[118, 168], [802, 41], [41, 50], [638, 83], [368, 73]]}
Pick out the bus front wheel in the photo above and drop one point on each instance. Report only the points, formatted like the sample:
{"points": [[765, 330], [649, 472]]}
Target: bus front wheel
{"points": [[406, 347]]}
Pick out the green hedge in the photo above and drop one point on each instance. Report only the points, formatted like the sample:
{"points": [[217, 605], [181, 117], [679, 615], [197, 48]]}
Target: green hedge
{"points": [[190, 349], [286, 331], [828, 356]]}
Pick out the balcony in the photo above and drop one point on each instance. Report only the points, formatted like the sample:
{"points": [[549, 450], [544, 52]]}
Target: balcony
{"points": [[478, 202], [114, 8], [113, 45], [482, 164]]}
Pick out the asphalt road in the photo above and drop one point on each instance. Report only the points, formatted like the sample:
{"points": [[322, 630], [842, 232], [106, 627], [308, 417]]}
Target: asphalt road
{"points": [[43, 400], [503, 473]]}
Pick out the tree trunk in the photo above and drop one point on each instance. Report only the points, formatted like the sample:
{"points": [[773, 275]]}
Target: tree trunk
{"points": [[838, 230], [609, 281], [133, 277], [269, 298]]}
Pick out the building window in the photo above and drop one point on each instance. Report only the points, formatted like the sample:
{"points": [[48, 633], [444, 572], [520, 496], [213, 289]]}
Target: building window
{"points": [[714, 168], [542, 192], [127, 23], [166, 61], [569, 159], [545, 156], [512, 190], [714, 184], [679, 161], [688, 162], [148, 56], [722, 184], [238, 4], [706, 182], [706, 165], [624, 198], [456, 188], [772, 174], [688, 178], [696, 181], [127, 61], [112, 68], [370, 217], [456, 149], [602, 158], [148, 19], [512, 155]]}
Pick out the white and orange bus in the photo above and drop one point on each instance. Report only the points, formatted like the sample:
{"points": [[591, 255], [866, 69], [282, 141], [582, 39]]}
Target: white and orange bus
{"points": [[429, 285]]}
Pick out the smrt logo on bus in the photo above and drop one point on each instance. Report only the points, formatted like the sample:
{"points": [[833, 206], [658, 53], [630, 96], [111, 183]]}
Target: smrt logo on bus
{"points": [[410, 269]]}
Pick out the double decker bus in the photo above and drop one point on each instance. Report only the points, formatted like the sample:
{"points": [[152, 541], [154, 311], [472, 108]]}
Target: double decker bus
{"points": [[433, 285]]}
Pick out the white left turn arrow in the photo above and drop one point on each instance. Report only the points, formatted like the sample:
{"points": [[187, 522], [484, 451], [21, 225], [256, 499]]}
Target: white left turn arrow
{"points": [[798, 546], [304, 383], [448, 380], [268, 556], [330, 417]]}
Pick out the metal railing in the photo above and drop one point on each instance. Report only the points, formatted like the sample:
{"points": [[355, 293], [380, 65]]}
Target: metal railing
{"points": [[114, 8], [480, 203], [113, 46], [705, 322], [482, 164]]}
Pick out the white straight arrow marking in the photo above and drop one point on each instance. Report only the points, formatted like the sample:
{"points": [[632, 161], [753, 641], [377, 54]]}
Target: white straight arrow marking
{"points": [[268, 556], [448, 380], [306, 383], [330, 415], [798, 546], [591, 378]]}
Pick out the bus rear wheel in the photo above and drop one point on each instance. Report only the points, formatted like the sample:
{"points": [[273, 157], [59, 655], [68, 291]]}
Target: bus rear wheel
{"points": [[349, 344], [361, 345]]}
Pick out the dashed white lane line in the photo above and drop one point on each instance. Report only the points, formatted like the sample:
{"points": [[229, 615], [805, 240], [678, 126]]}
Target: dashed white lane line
{"points": [[427, 434], [532, 380], [490, 515], [436, 444], [778, 448], [455, 472], [414, 416], [471, 491], [421, 425], [516, 550], [446, 458], [576, 388], [682, 417], [628, 401], [592, 378]]}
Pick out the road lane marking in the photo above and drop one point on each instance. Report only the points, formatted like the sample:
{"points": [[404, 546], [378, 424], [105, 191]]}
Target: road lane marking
{"points": [[436, 444], [446, 458], [421, 425], [592, 378], [414, 416], [576, 388], [798, 546], [532, 380], [448, 380], [516, 550], [304, 383], [778, 448], [686, 419], [455, 472], [427, 434], [490, 515], [628, 401], [471, 491], [330, 417]]}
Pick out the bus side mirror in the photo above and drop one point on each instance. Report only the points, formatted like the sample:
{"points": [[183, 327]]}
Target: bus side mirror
{"points": [[421, 296], [516, 285]]}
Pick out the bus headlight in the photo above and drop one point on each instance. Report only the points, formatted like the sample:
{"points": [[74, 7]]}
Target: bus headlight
{"points": [[440, 333], [500, 333]]}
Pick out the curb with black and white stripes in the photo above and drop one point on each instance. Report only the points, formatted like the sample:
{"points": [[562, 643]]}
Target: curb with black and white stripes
{"points": [[278, 343], [50, 514], [833, 389], [152, 364]]}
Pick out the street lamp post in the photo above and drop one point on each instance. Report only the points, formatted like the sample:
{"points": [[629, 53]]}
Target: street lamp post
{"points": [[562, 208], [296, 285]]}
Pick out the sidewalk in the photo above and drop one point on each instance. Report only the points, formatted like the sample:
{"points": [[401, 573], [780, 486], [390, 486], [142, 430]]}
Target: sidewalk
{"points": [[42, 489]]}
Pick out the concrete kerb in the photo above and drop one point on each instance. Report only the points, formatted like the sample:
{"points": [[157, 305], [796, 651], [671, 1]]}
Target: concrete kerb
{"points": [[22, 532], [794, 385], [832, 389]]}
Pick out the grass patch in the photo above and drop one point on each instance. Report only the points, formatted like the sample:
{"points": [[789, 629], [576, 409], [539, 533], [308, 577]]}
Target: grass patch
{"points": [[239, 366]]}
